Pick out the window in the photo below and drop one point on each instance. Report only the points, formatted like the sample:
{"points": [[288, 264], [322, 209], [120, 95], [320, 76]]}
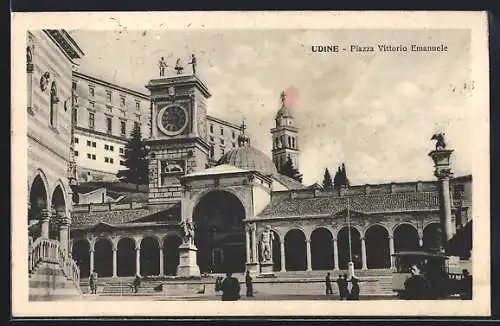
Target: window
{"points": [[212, 128], [91, 120], [54, 99], [74, 116], [122, 162], [234, 134], [76, 153], [212, 138], [89, 143], [137, 106], [234, 145], [121, 150], [106, 147], [108, 96], [458, 190], [111, 160], [109, 124], [93, 157], [91, 91], [222, 141], [122, 128], [89, 156], [289, 142], [93, 144], [212, 151], [122, 101], [76, 140], [222, 151], [221, 132], [137, 126], [106, 160], [111, 148]]}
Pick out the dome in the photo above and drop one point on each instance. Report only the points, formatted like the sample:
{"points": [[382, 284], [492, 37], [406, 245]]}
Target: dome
{"points": [[284, 112], [249, 158]]}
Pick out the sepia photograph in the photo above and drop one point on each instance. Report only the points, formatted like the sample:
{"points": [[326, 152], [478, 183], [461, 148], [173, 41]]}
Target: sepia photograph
{"points": [[283, 161]]}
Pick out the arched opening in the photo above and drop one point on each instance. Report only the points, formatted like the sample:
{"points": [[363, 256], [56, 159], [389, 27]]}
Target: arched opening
{"points": [[103, 258], [58, 204], [377, 247], [150, 256], [343, 246], [405, 238], [276, 252], [321, 249], [220, 236], [171, 254], [38, 202], [432, 237], [81, 255], [295, 251], [125, 257]]}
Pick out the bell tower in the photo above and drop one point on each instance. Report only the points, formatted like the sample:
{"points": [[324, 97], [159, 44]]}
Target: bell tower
{"points": [[178, 143], [285, 137]]}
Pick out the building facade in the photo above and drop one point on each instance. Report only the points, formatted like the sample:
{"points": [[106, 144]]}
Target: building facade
{"points": [[245, 214], [51, 57]]}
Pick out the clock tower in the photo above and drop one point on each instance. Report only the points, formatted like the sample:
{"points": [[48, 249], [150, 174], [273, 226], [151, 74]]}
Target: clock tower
{"points": [[178, 143]]}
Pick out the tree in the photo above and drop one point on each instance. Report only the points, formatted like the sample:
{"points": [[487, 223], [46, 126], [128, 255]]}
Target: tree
{"points": [[135, 160], [327, 180], [290, 171], [340, 179]]}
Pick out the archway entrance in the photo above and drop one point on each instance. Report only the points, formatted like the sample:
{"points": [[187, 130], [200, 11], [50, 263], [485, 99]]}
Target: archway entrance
{"points": [[377, 247], [405, 238], [321, 249], [343, 245], [125, 257], [103, 258], [220, 233], [38, 201], [81, 255], [150, 257], [432, 237], [171, 254], [58, 203], [295, 251]]}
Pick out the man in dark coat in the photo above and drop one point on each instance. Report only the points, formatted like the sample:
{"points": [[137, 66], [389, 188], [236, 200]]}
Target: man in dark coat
{"points": [[354, 295], [343, 286], [230, 288], [328, 284], [416, 287], [137, 283], [248, 284]]}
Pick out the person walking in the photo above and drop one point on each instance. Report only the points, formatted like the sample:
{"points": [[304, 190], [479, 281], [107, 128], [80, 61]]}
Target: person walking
{"points": [[93, 282], [248, 284], [328, 284], [354, 295], [137, 283], [230, 288], [217, 285]]}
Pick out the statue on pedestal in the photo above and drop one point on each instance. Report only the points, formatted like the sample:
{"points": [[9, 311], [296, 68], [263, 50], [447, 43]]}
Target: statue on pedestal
{"points": [[162, 65], [266, 244], [440, 143], [188, 232], [193, 63], [178, 66]]}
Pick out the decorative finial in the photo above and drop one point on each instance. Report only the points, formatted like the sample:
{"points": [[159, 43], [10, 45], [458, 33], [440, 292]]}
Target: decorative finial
{"points": [[243, 138], [283, 97]]}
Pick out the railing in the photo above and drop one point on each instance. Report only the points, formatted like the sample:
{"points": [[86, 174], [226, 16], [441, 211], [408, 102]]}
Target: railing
{"points": [[49, 250]]}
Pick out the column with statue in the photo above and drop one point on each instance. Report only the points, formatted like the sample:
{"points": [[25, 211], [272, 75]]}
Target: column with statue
{"points": [[441, 157], [188, 266]]}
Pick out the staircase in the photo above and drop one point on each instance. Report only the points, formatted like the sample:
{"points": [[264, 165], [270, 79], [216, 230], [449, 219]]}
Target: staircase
{"points": [[52, 274]]}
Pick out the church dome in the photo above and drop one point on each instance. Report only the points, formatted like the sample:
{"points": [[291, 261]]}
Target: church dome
{"points": [[249, 158], [284, 112]]}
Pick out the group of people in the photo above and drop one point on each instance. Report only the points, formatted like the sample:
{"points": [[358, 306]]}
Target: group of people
{"points": [[93, 283], [230, 288], [343, 285]]}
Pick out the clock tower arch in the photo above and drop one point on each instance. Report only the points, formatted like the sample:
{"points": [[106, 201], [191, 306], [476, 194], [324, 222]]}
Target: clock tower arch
{"points": [[178, 142]]}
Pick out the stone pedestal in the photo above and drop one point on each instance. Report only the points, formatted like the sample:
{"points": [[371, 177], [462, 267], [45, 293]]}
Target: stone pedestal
{"points": [[267, 269], [253, 268], [188, 266]]}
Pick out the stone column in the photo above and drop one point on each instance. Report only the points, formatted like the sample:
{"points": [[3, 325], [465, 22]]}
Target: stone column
{"points": [[441, 158], [115, 249], [363, 253], [282, 253], [391, 250], [45, 221], [255, 256], [64, 233], [247, 242], [29, 70], [138, 260], [91, 260], [308, 253], [162, 269], [420, 241], [335, 255]]}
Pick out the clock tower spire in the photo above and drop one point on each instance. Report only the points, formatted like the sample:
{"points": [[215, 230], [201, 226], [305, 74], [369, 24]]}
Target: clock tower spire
{"points": [[178, 132]]}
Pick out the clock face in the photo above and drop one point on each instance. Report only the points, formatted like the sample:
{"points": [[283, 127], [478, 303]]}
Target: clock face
{"points": [[172, 120]]}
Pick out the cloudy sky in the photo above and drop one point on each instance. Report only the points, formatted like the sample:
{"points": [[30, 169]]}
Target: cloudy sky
{"points": [[374, 111]]}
